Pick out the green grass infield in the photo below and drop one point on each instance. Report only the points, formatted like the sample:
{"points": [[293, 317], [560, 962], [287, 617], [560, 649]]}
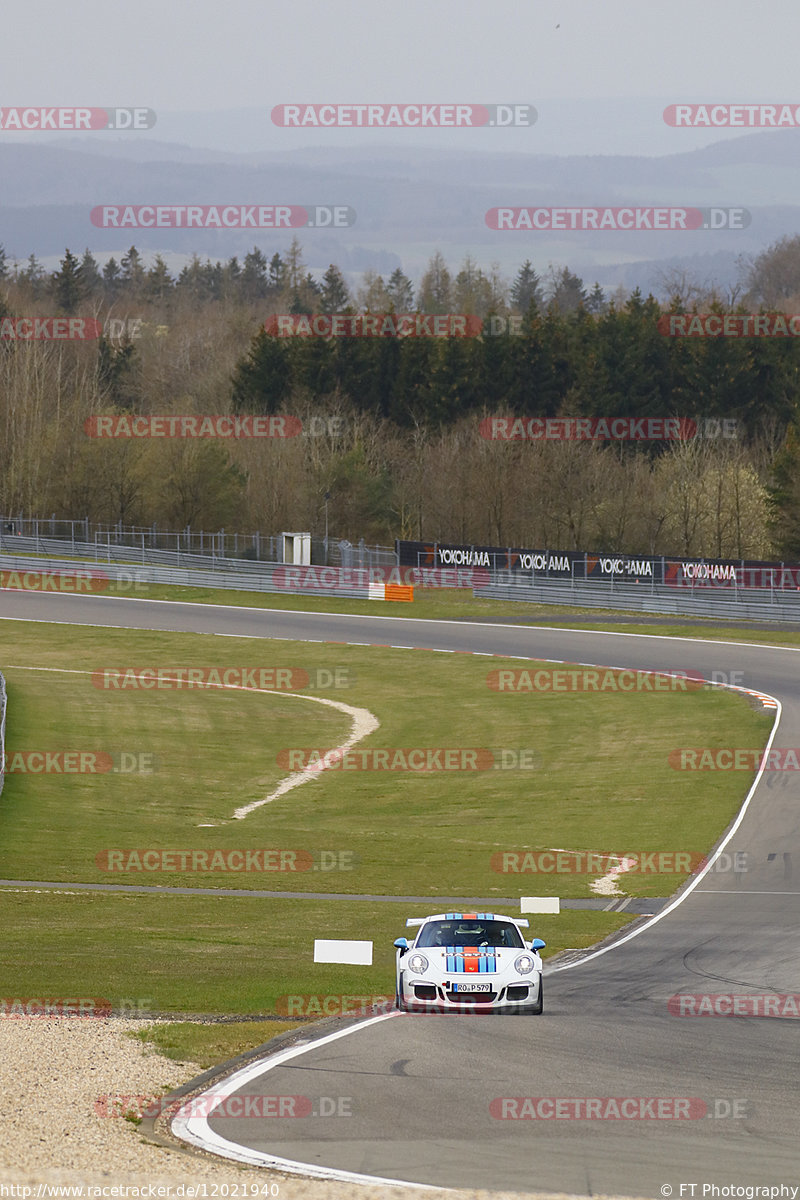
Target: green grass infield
{"points": [[511, 777]]}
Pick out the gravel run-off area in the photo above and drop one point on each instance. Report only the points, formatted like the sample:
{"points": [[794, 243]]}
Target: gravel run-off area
{"points": [[55, 1140]]}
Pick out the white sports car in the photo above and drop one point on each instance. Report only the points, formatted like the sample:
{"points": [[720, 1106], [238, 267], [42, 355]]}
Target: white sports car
{"points": [[478, 962]]}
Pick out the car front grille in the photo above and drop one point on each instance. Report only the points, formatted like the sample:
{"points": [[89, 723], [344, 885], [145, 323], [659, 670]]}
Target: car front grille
{"points": [[471, 997]]}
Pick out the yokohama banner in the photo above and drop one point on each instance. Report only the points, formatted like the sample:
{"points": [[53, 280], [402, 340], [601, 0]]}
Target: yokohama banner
{"points": [[556, 564], [622, 568]]}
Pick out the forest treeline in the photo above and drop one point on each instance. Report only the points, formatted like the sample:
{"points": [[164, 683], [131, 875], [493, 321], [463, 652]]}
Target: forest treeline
{"points": [[391, 425]]}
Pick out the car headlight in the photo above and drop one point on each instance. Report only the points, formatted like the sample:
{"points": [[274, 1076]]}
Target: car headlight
{"points": [[524, 964], [417, 964]]}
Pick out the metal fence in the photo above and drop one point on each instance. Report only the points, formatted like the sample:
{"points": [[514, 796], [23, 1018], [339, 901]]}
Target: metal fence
{"points": [[111, 553], [177, 565], [219, 543], [121, 543], [345, 554]]}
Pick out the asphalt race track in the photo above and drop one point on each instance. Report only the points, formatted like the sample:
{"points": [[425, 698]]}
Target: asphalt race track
{"points": [[420, 1089]]}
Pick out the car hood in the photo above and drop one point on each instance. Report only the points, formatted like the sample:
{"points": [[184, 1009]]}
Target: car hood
{"points": [[471, 960]]}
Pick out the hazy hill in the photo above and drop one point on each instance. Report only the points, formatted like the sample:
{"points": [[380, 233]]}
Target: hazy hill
{"points": [[409, 202]]}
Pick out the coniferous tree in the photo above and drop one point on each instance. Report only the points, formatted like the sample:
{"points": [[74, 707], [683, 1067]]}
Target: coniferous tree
{"points": [[276, 277], [132, 272], [112, 279], [565, 290], [334, 295], [230, 283], [526, 288], [67, 284], [159, 281], [254, 275], [305, 297], [262, 380], [400, 291], [596, 300], [90, 271]]}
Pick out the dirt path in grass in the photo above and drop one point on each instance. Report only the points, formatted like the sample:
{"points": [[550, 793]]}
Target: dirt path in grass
{"points": [[363, 721]]}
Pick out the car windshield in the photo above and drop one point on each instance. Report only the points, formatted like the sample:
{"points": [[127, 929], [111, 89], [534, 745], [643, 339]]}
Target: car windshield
{"points": [[470, 932]]}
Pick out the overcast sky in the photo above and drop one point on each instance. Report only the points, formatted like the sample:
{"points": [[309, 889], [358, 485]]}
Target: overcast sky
{"points": [[185, 56]]}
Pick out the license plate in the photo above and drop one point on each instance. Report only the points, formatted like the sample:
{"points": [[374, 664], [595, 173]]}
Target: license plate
{"points": [[472, 987]]}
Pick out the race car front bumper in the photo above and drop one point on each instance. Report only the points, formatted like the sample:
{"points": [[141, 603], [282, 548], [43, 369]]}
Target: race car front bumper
{"points": [[423, 995]]}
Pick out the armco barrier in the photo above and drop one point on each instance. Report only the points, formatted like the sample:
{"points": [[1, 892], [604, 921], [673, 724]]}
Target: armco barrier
{"points": [[338, 580], [759, 604], [2, 732], [755, 604]]}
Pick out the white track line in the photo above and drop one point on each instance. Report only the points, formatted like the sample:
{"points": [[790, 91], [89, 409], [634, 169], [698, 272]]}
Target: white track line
{"points": [[332, 1173], [195, 1129], [687, 891]]}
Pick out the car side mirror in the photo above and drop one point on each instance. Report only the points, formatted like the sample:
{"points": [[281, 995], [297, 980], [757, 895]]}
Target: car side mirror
{"points": [[401, 943], [536, 944]]}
